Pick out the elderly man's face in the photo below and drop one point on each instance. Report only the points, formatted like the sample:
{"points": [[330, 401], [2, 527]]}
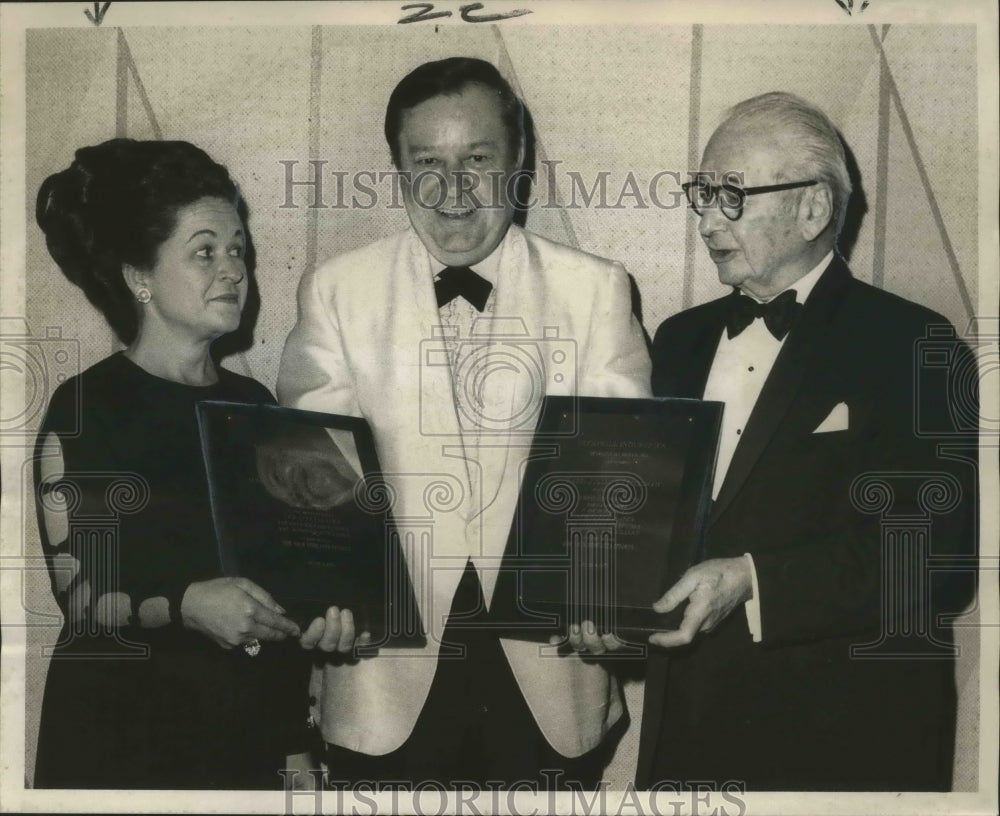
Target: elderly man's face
{"points": [[764, 251], [455, 151]]}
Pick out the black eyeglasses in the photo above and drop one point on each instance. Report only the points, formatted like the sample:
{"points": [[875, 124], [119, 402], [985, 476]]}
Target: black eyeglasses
{"points": [[702, 194]]}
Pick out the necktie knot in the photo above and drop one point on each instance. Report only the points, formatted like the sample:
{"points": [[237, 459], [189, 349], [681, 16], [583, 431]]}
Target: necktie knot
{"points": [[778, 314], [461, 281]]}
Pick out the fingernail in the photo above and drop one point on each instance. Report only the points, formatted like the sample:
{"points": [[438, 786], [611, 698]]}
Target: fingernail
{"points": [[575, 629]]}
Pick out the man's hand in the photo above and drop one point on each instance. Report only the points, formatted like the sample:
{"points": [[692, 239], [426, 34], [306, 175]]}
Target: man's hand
{"points": [[333, 633], [584, 637], [713, 589]]}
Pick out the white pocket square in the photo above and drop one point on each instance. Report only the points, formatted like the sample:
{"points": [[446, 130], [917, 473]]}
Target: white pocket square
{"points": [[838, 420]]}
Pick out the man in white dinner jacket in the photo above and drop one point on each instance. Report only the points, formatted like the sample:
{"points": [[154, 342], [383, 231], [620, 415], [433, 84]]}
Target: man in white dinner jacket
{"points": [[445, 337]]}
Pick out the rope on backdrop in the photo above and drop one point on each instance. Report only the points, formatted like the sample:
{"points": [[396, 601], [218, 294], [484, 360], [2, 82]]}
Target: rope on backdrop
{"points": [[691, 241], [315, 93], [881, 169], [506, 66], [904, 121], [126, 67]]}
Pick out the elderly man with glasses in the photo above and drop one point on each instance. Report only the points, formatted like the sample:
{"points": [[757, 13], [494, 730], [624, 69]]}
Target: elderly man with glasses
{"points": [[812, 654]]}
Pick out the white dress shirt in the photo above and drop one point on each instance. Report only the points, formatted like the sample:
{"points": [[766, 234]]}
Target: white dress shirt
{"points": [[739, 370], [459, 316]]}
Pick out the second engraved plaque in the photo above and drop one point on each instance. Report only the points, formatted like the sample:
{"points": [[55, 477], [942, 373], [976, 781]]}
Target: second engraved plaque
{"points": [[607, 518]]}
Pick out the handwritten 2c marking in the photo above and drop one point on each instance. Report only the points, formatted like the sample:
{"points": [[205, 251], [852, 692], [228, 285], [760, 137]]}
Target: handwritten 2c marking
{"points": [[425, 12]]}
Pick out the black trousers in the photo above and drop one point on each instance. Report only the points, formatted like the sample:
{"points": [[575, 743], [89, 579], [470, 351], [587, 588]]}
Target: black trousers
{"points": [[475, 727]]}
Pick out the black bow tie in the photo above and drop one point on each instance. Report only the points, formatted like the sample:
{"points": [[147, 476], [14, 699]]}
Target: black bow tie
{"points": [[778, 314], [455, 281]]}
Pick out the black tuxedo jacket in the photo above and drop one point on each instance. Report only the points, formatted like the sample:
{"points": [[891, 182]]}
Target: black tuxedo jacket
{"points": [[799, 711]]}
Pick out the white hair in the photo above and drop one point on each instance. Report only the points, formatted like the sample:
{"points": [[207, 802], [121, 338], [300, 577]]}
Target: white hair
{"points": [[815, 145]]}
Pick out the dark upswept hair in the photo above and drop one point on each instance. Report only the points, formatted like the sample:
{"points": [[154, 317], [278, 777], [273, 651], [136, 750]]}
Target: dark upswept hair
{"points": [[116, 204], [449, 77]]}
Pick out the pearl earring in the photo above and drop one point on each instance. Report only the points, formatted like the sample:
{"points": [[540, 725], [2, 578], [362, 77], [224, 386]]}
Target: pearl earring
{"points": [[143, 295]]}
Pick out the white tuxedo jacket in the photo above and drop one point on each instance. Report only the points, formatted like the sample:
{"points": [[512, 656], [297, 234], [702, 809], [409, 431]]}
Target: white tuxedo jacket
{"points": [[368, 343]]}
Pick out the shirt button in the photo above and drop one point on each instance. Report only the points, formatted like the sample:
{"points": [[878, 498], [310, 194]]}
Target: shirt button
{"points": [[739, 431], [750, 369]]}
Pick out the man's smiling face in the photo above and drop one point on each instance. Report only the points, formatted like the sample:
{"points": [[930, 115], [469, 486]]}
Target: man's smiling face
{"points": [[456, 157]]}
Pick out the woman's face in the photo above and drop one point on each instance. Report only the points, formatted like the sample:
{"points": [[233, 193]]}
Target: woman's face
{"points": [[199, 282]]}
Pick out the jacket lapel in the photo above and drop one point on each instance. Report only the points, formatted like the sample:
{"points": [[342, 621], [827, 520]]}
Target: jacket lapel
{"points": [[692, 378], [420, 334], [785, 379], [515, 298]]}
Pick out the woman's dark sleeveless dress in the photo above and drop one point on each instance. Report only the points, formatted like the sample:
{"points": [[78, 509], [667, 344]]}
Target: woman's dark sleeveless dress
{"points": [[161, 707]]}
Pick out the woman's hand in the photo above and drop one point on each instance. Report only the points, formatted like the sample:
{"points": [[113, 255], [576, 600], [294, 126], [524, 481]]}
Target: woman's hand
{"points": [[234, 611]]}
